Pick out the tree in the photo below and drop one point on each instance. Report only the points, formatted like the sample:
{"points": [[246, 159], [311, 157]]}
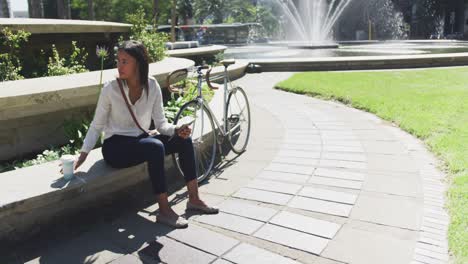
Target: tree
{"points": [[210, 9], [185, 11], [35, 9], [91, 15], [173, 20], [156, 12], [63, 9], [4, 8]]}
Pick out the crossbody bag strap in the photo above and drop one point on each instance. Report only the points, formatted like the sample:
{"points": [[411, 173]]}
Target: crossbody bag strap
{"points": [[128, 106]]}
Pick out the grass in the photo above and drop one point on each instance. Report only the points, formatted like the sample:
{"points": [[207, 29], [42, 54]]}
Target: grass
{"points": [[431, 104]]}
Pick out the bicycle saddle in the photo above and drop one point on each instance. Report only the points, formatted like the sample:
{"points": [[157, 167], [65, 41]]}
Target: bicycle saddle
{"points": [[228, 62]]}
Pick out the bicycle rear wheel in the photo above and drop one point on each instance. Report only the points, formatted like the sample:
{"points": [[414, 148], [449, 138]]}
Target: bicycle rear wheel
{"points": [[238, 117], [203, 137]]}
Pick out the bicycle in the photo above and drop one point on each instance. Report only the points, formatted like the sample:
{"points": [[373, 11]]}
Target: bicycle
{"points": [[207, 132]]}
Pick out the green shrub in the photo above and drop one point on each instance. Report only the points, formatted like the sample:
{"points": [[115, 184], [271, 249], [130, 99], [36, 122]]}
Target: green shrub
{"points": [[10, 65], [154, 42], [9, 68], [189, 87], [62, 66]]}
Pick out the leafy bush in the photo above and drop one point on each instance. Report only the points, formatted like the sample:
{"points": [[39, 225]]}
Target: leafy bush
{"points": [[189, 88], [46, 156], [154, 42], [62, 66], [10, 66]]}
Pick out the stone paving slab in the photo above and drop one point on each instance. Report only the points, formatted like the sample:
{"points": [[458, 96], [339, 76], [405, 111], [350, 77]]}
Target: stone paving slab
{"points": [[354, 244], [340, 174], [80, 250], [263, 196], [310, 141], [383, 147], [431, 254], [284, 176], [297, 161], [299, 154], [246, 254], [170, 251], [327, 195], [307, 170], [306, 224], [222, 261], [427, 260], [381, 208], [247, 209], [398, 163], [342, 143], [203, 239], [410, 186], [274, 186], [434, 249], [292, 238], [343, 164], [335, 182], [320, 206], [231, 222], [343, 156]]}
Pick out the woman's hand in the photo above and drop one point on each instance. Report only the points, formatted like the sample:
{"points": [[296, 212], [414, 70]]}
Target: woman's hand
{"points": [[183, 131], [153, 132], [78, 162]]}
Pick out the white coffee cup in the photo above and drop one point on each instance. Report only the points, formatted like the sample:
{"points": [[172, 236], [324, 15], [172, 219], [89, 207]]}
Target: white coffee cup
{"points": [[67, 166]]}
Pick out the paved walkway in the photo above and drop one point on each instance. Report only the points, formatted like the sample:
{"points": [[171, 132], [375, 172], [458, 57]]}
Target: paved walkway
{"points": [[320, 183]]}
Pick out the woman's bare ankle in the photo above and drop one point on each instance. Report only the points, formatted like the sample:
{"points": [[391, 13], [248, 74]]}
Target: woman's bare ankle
{"points": [[167, 212]]}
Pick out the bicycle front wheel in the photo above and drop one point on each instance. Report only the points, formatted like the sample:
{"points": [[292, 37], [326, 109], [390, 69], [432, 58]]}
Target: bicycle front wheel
{"points": [[238, 119], [203, 137]]}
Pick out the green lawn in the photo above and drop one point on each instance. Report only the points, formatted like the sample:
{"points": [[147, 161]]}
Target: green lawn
{"points": [[431, 104]]}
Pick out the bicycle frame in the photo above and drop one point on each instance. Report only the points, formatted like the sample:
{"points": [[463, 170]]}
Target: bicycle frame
{"points": [[223, 128]]}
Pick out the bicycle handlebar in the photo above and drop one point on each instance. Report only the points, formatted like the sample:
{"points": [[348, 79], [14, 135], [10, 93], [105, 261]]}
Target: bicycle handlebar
{"points": [[208, 82], [181, 72], [169, 86]]}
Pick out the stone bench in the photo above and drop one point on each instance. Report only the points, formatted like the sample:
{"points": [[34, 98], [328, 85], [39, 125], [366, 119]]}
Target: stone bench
{"points": [[34, 197]]}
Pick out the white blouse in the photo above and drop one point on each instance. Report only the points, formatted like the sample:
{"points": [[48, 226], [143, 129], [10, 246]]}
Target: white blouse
{"points": [[112, 115]]}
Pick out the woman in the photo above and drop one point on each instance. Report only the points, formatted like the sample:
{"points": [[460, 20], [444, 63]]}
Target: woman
{"points": [[125, 145]]}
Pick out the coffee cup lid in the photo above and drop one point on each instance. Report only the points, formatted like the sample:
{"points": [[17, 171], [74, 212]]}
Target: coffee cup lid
{"points": [[65, 158]]}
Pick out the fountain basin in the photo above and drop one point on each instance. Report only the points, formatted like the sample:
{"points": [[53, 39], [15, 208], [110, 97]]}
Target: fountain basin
{"points": [[313, 46], [361, 62]]}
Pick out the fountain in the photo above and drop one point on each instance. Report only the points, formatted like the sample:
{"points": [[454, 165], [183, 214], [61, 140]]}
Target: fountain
{"points": [[311, 21]]}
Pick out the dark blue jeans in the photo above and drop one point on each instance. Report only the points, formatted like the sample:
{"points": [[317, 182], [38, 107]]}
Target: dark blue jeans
{"points": [[124, 151]]}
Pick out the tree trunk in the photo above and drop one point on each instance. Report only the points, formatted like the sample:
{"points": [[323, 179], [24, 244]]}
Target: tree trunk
{"points": [[91, 15], [36, 9], [173, 21], [4, 8], [63, 9], [155, 13]]}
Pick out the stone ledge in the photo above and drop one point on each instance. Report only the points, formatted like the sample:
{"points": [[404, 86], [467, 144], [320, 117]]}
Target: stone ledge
{"points": [[362, 62], [54, 26], [192, 52], [31, 197]]}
